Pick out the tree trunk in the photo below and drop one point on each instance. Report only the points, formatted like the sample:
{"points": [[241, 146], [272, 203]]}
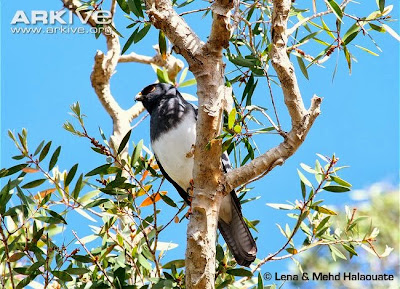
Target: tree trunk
{"points": [[208, 191]]}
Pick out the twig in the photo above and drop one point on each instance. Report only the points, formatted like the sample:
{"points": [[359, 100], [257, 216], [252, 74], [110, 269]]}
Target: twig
{"points": [[94, 259], [4, 240], [195, 11]]}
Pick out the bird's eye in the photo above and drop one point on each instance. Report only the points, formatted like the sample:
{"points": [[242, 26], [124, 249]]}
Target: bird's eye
{"points": [[148, 90]]}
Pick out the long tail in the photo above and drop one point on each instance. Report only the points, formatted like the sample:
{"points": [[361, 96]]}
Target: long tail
{"points": [[237, 235]]}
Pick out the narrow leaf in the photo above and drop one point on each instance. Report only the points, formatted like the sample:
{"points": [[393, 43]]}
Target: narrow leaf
{"points": [[124, 141], [33, 184], [303, 67], [45, 151], [336, 189], [71, 175], [335, 9], [54, 158]]}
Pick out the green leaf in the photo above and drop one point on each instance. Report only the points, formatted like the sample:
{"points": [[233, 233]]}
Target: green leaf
{"points": [[336, 189], [135, 8], [138, 4], [78, 187], [348, 57], [351, 33], [237, 129], [136, 153], [39, 148], [34, 184], [77, 271], [303, 189], [168, 200], [335, 9], [142, 33], [188, 82], [45, 151], [381, 5], [57, 216], [324, 210], [143, 262], [49, 220], [367, 50], [129, 42], [183, 75], [70, 175], [25, 282], [124, 141], [239, 272], [82, 259], [54, 158], [13, 170], [162, 44], [292, 251], [302, 66], [322, 223], [327, 29], [239, 60], [309, 36], [304, 179], [232, 118], [123, 5], [340, 181], [350, 250], [62, 275], [335, 251], [260, 284], [377, 28], [101, 170], [177, 263], [97, 203], [219, 253]]}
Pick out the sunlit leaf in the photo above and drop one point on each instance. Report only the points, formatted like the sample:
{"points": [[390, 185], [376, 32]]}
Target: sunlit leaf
{"points": [[280, 206], [154, 198], [335, 9], [391, 32]]}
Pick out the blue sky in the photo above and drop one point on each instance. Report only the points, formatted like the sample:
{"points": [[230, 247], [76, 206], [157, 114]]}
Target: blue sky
{"points": [[42, 75]]}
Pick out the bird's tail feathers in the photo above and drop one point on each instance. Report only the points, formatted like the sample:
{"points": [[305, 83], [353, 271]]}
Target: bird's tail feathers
{"points": [[237, 235]]}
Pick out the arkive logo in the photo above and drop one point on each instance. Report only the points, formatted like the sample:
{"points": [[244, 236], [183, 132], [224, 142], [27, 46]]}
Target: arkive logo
{"points": [[63, 17]]}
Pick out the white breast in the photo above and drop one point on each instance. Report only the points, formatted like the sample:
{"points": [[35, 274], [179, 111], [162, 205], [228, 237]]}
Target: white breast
{"points": [[174, 151]]}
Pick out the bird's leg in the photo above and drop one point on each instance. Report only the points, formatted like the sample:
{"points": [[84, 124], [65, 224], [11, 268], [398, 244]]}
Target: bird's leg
{"points": [[190, 196]]}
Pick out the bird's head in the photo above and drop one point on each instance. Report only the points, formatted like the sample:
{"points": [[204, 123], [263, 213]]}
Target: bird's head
{"points": [[152, 94]]}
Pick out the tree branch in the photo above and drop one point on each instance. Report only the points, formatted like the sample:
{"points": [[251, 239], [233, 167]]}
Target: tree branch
{"points": [[302, 119], [172, 64], [185, 40], [221, 27]]}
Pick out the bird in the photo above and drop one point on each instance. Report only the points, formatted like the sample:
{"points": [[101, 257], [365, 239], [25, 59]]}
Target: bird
{"points": [[172, 137]]}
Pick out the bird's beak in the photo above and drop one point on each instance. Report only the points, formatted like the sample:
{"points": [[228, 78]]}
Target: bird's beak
{"points": [[139, 97]]}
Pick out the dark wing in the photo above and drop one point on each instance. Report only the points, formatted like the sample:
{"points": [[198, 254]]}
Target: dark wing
{"points": [[181, 191]]}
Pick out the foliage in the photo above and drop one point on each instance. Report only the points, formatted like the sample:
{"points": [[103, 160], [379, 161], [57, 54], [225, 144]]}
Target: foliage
{"points": [[377, 209], [126, 196]]}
